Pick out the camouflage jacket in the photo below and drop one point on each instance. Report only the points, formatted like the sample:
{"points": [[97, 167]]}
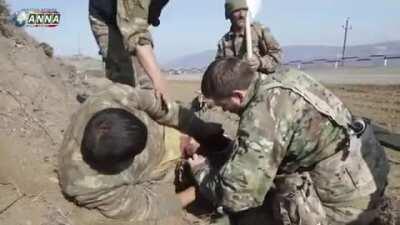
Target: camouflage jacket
{"points": [[291, 123], [137, 192], [206, 111], [132, 20], [131, 16], [265, 47]]}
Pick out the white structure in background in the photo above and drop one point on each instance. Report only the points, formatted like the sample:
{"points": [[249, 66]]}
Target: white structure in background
{"points": [[338, 56]]}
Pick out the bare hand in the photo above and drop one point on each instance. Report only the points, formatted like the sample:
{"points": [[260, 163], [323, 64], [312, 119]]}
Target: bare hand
{"points": [[160, 87], [254, 63], [196, 162], [188, 146]]}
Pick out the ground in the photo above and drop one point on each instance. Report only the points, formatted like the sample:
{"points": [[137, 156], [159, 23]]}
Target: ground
{"points": [[34, 191]]}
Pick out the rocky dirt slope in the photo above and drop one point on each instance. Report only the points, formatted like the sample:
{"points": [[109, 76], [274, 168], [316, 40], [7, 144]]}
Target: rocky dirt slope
{"points": [[37, 96]]}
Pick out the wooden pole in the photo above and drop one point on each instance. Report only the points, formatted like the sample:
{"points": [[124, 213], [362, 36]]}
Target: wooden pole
{"points": [[249, 46]]}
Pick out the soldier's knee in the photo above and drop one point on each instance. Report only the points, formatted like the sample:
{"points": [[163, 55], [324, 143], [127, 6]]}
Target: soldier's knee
{"points": [[296, 201]]}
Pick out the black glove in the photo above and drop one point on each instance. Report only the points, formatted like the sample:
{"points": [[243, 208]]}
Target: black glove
{"points": [[155, 9]]}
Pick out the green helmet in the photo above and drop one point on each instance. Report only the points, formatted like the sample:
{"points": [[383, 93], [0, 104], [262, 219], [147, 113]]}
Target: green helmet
{"points": [[233, 5]]}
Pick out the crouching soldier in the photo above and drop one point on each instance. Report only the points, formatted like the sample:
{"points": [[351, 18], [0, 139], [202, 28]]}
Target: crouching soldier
{"points": [[112, 158], [297, 142]]}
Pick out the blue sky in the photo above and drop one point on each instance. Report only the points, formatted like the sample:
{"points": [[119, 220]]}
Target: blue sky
{"points": [[190, 26]]}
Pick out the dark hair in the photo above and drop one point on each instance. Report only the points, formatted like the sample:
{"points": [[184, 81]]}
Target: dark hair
{"points": [[223, 76], [111, 137]]}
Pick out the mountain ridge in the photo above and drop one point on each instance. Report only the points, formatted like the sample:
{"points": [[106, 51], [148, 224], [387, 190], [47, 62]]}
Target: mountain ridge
{"points": [[295, 52]]}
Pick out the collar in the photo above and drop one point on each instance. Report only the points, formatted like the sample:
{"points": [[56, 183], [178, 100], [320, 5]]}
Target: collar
{"points": [[252, 91], [233, 34], [241, 34]]}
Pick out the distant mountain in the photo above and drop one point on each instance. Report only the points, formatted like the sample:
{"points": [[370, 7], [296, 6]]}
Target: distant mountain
{"points": [[196, 60], [297, 52], [308, 52]]}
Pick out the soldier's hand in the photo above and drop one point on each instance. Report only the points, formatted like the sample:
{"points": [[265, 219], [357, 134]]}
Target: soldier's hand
{"points": [[197, 162], [188, 146], [254, 63], [160, 87]]}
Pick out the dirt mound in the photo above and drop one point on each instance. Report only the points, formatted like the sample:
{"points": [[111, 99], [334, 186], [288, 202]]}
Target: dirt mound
{"points": [[38, 96]]}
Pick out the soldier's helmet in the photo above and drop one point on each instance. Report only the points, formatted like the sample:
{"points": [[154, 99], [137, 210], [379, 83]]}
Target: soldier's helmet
{"points": [[233, 5]]}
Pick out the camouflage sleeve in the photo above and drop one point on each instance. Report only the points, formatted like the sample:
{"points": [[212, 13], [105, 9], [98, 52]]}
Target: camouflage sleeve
{"points": [[170, 114], [135, 202], [271, 52], [215, 114], [100, 31], [132, 21], [244, 180], [207, 133]]}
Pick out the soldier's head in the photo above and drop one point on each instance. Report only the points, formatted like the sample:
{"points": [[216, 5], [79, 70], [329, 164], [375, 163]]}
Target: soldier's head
{"points": [[111, 140], [236, 12], [226, 82]]}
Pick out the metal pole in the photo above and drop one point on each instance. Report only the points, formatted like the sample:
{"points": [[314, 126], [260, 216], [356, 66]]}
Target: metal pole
{"points": [[346, 28]]}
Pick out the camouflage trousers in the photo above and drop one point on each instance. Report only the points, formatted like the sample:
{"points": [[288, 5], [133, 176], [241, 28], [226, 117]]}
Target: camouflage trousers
{"points": [[120, 63], [294, 201]]}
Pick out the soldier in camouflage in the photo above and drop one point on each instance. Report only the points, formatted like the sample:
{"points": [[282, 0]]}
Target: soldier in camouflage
{"points": [[298, 157], [120, 28], [267, 52], [140, 187]]}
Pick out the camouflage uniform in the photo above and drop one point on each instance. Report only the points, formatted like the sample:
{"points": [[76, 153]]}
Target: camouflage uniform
{"points": [[211, 113], [265, 47], [294, 143], [118, 27], [144, 192]]}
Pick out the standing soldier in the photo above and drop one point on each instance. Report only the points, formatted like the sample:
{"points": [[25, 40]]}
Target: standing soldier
{"points": [[267, 52], [120, 28]]}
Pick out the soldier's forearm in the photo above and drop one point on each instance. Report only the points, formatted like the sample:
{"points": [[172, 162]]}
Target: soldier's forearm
{"points": [[148, 60]]}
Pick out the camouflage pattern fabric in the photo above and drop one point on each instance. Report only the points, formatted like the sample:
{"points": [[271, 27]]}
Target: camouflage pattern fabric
{"points": [[265, 47], [211, 113], [292, 124], [233, 5], [143, 193], [118, 27]]}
